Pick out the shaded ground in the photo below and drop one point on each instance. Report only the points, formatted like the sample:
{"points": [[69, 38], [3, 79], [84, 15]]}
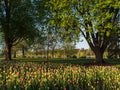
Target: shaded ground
{"points": [[81, 61]]}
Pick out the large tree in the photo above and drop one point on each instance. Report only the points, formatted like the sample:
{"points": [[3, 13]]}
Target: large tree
{"points": [[95, 19], [114, 47], [16, 22], [98, 18]]}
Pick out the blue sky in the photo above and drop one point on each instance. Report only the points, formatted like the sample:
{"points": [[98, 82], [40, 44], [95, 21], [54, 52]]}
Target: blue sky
{"points": [[82, 44]]}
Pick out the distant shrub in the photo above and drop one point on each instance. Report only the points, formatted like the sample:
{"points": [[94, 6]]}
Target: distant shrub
{"points": [[74, 56], [68, 56], [83, 57]]}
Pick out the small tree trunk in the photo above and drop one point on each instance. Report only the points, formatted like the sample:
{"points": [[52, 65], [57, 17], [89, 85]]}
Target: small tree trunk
{"points": [[52, 53], [8, 49], [47, 53], [23, 52], [36, 52], [14, 56]]}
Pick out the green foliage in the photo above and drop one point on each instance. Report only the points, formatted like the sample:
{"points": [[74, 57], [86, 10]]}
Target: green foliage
{"points": [[62, 17], [73, 15], [41, 11], [95, 20], [114, 47], [19, 23]]}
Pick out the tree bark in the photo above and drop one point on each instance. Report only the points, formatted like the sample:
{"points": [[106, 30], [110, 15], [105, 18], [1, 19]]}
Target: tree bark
{"points": [[14, 56], [52, 53], [47, 52], [98, 50], [36, 52], [23, 51], [99, 56], [8, 49]]}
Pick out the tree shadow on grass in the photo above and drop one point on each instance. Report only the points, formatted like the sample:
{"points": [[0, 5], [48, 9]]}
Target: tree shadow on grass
{"points": [[87, 62], [80, 61], [108, 62]]}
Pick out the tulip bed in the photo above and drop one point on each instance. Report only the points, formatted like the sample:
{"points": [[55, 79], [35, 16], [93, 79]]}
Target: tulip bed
{"points": [[56, 76]]}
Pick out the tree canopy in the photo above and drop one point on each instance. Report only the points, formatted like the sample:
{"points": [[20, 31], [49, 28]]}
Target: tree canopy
{"points": [[95, 20], [17, 22]]}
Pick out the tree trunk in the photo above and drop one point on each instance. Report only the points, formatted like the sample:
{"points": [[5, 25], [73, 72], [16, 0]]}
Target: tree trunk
{"points": [[36, 52], [47, 53], [14, 56], [52, 53], [99, 56], [23, 52], [8, 49]]}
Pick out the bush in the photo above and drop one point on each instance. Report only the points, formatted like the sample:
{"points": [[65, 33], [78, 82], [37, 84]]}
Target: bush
{"points": [[74, 56]]}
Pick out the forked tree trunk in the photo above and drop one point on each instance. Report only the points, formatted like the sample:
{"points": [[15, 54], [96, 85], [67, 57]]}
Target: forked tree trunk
{"points": [[8, 49]]}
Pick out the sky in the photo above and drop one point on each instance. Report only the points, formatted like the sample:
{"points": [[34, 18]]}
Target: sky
{"points": [[82, 44]]}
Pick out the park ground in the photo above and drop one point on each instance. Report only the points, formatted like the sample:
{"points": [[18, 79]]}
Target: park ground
{"points": [[79, 61]]}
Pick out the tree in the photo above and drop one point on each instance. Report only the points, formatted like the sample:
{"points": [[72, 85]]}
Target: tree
{"points": [[16, 22], [21, 46], [114, 47], [98, 21], [38, 43], [95, 19], [68, 48]]}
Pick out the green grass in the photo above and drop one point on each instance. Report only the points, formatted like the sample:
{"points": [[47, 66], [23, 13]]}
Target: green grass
{"points": [[1, 59], [55, 60], [79, 61], [115, 61]]}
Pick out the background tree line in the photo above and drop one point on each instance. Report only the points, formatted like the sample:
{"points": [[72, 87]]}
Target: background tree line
{"points": [[46, 24]]}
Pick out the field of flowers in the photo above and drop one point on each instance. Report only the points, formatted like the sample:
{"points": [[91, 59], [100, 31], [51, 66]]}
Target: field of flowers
{"points": [[56, 76]]}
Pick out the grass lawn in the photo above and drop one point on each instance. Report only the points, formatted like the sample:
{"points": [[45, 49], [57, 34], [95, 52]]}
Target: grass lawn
{"points": [[80, 61], [67, 60]]}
